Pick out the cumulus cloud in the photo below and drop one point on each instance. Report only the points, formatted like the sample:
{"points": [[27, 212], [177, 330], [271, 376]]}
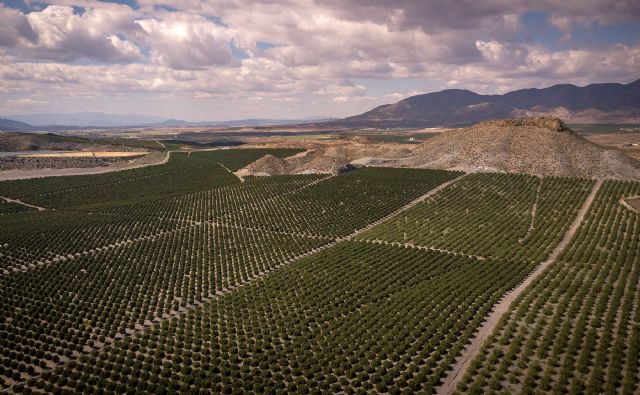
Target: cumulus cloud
{"points": [[324, 52], [15, 29], [58, 33], [185, 41]]}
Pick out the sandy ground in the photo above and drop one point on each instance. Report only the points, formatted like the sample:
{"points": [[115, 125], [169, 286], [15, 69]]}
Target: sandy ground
{"points": [[632, 203], [84, 154], [37, 173], [469, 353], [627, 142], [540, 146]]}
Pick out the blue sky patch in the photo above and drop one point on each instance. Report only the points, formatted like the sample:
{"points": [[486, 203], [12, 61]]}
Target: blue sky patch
{"points": [[267, 45], [237, 52], [162, 7], [536, 27]]}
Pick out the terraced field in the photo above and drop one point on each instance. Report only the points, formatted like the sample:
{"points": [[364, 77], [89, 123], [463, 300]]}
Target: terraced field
{"points": [[183, 278]]}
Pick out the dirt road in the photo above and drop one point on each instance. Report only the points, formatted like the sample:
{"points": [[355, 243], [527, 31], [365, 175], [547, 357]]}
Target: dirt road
{"points": [[7, 199], [38, 173], [471, 350]]}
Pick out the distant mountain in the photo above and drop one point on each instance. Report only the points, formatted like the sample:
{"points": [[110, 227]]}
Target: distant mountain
{"points": [[104, 120], [85, 119], [594, 103], [241, 122], [8, 125]]}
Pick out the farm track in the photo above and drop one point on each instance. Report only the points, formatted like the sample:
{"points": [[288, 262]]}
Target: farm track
{"points": [[404, 208], [463, 361], [534, 209], [277, 232], [139, 329], [66, 257], [305, 186], [17, 201], [627, 205], [41, 173], [228, 170]]}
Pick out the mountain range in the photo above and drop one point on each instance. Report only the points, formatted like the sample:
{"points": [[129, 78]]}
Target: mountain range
{"points": [[54, 121], [14, 126], [595, 103]]}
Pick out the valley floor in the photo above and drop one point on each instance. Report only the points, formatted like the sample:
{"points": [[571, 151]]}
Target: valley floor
{"points": [[182, 277]]}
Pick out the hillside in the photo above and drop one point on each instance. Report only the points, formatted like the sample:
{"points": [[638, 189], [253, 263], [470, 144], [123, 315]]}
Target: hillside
{"points": [[328, 157], [541, 146], [593, 103], [41, 141], [8, 125]]}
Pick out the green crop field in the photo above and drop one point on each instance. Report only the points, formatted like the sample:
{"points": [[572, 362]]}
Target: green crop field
{"points": [[12, 208], [577, 329], [182, 278]]}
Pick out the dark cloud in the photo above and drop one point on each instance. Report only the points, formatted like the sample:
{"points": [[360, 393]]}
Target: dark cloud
{"points": [[15, 28]]}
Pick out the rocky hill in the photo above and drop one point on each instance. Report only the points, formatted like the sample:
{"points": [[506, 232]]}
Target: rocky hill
{"points": [[330, 157], [618, 103], [542, 146]]}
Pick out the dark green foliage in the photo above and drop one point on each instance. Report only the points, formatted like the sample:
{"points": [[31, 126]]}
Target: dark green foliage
{"points": [[12, 208], [313, 322], [492, 215], [576, 329]]}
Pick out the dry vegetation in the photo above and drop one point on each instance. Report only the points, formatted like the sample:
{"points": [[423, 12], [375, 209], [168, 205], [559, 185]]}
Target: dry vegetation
{"points": [[540, 146]]}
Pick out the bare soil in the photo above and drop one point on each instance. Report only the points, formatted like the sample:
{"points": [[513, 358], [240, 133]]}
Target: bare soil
{"points": [[91, 154], [540, 146], [152, 159], [632, 203]]}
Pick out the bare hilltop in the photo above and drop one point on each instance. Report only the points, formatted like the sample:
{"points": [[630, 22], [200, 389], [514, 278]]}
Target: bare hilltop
{"points": [[540, 146]]}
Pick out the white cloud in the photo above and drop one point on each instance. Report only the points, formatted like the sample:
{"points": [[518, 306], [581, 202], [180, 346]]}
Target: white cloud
{"points": [[56, 33], [184, 41], [325, 50]]}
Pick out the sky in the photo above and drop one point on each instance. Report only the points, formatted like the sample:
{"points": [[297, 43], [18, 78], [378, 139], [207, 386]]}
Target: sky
{"points": [[290, 59]]}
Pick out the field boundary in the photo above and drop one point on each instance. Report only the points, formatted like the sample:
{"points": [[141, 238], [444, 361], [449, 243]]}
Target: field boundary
{"points": [[139, 329], [469, 353], [18, 201], [9, 175], [627, 205], [423, 248], [407, 206], [29, 265]]}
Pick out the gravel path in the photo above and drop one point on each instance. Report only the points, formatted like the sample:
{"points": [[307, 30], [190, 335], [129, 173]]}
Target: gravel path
{"points": [[471, 350], [39, 173], [17, 201]]}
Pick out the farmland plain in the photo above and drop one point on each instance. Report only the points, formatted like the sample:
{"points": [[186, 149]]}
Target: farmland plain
{"points": [[183, 278]]}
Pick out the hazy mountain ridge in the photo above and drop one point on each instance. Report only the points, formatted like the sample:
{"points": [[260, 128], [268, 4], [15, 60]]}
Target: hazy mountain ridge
{"points": [[11, 125], [99, 119], [608, 102]]}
